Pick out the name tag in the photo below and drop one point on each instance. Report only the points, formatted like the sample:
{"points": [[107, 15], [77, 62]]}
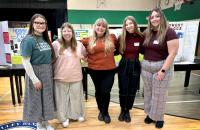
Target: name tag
{"points": [[136, 44], [155, 42]]}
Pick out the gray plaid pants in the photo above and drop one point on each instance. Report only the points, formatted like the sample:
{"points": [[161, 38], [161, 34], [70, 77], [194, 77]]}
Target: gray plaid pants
{"points": [[155, 91]]}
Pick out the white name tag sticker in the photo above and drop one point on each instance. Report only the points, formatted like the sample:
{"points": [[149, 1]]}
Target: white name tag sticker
{"points": [[155, 42], [136, 44]]}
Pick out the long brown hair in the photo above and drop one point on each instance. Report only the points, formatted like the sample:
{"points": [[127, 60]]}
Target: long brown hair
{"points": [[107, 42], [123, 35], [62, 41], [45, 34], [162, 29]]}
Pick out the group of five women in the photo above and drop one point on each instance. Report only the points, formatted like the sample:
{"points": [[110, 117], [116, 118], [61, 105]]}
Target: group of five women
{"points": [[54, 70]]}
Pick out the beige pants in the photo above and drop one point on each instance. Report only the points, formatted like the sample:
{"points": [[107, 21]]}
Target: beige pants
{"points": [[69, 100]]}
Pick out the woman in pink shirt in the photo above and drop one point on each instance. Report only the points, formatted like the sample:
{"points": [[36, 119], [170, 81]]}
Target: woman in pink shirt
{"points": [[68, 76]]}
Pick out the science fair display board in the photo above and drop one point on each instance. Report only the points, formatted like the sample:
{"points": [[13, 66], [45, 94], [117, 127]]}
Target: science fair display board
{"points": [[187, 32], [11, 35]]}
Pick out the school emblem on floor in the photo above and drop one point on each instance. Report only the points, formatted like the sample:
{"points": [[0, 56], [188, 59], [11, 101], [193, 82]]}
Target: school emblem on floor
{"points": [[18, 125]]}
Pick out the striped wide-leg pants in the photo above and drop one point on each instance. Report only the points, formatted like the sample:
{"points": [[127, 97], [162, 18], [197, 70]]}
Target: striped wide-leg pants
{"points": [[155, 91]]}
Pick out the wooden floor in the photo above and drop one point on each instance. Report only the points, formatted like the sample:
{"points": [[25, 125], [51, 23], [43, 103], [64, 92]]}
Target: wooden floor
{"points": [[8, 113]]}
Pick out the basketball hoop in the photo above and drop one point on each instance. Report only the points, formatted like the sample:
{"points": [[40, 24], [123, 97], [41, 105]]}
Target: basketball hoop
{"points": [[177, 4]]}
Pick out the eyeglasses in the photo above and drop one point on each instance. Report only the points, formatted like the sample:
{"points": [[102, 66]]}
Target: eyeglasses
{"points": [[40, 23]]}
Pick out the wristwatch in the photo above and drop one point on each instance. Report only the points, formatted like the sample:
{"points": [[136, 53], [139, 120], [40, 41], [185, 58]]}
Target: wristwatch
{"points": [[163, 70]]}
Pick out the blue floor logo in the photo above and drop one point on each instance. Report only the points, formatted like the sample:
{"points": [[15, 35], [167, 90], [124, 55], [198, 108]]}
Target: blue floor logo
{"points": [[18, 125]]}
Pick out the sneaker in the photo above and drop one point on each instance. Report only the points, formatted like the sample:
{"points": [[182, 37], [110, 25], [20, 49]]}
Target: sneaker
{"points": [[48, 126], [40, 126], [106, 118], [159, 124], [148, 120], [100, 116], [65, 123], [81, 119]]}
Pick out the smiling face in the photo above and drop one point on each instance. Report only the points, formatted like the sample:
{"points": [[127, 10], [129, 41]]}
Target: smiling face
{"points": [[39, 25], [100, 29], [155, 19], [129, 25], [67, 34]]}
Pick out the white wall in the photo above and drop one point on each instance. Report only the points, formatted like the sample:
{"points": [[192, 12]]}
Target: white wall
{"points": [[131, 5]]}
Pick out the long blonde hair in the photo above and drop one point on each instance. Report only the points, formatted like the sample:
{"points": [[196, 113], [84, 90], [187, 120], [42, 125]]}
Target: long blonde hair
{"points": [[109, 46], [62, 41], [162, 29], [123, 35]]}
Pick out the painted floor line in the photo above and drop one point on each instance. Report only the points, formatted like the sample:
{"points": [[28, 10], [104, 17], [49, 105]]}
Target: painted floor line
{"points": [[174, 102]]}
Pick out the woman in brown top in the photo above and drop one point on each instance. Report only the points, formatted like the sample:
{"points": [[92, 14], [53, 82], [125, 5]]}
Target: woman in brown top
{"points": [[160, 48], [101, 65], [129, 68]]}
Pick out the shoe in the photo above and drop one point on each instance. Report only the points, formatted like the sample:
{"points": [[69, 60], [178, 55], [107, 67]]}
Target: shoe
{"points": [[40, 126], [106, 118], [81, 119], [47, 125], [159, 124], [127, 117], [121, 115], [148, 120], [65, 123], [100, 116]]}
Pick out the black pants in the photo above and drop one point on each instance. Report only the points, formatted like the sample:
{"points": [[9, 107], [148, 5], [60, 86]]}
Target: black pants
{"points": [[128, 78], [103, 81]]}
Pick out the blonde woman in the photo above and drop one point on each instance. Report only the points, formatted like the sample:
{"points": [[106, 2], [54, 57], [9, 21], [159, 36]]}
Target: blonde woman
{"points": [[160, 48], [101, 65], [68, 76]]}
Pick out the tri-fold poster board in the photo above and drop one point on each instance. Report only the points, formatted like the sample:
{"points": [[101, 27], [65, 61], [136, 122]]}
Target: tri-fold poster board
{"points": [[11, 34], [188, 34]]}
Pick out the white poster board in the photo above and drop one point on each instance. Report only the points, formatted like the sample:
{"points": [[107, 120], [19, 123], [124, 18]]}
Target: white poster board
{"points": [[5, 49], [17, 31], [187, 32]]}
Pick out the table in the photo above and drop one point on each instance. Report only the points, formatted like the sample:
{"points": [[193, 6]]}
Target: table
{"points": [[6, 72], [188, 67], [17, 71]]}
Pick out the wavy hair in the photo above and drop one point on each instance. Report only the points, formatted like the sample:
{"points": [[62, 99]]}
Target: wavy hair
{"points": [[107, 41]]}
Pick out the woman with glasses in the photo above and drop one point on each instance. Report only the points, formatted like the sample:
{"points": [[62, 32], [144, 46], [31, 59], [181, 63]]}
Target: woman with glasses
{"points": [[160, 48], [37, 54]]}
